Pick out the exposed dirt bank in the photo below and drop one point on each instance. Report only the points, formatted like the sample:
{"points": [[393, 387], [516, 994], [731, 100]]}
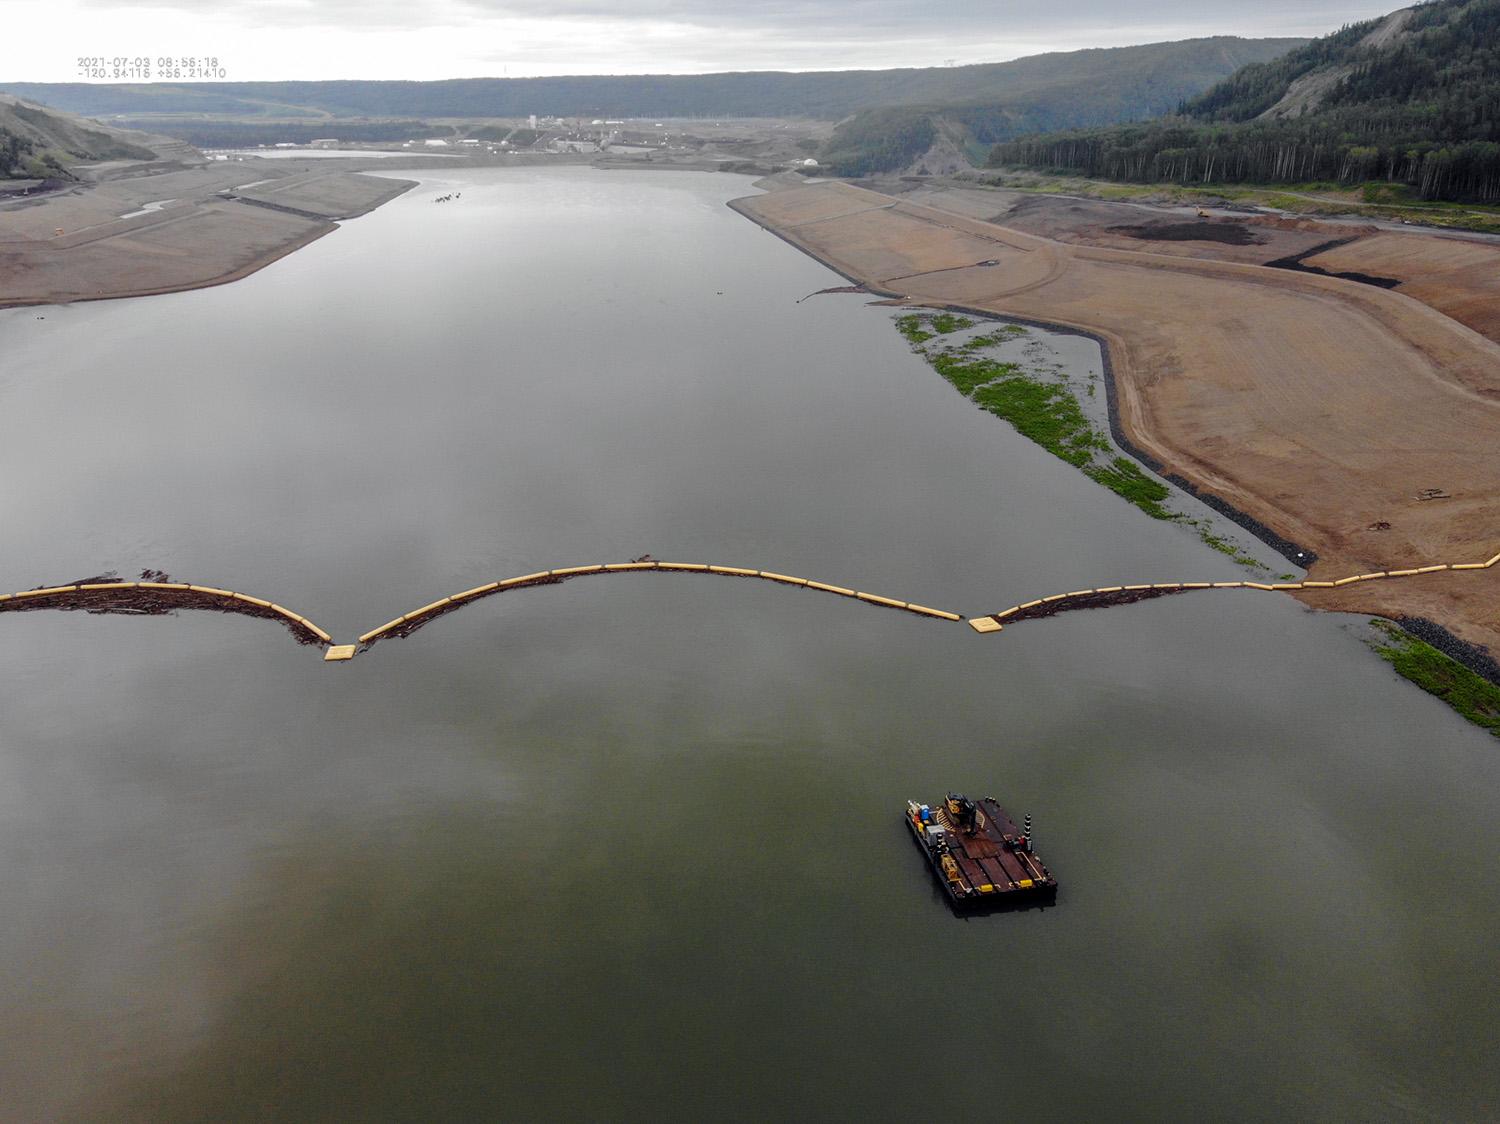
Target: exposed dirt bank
{"points": [[1324, 409], [179, 229]]}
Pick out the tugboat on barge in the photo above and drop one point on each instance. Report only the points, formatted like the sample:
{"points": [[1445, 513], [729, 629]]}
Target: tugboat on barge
{"points": [[981, 858]]}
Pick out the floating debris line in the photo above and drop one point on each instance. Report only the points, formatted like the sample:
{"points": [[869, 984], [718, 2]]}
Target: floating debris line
{"points": [[1107, 596], [410, 622], [107, 594], [157, 595], [834, 289]]}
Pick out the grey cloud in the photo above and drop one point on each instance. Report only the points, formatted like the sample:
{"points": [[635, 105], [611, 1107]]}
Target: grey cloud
{"points": [[853, 19], [791, 34], [958, 17]]}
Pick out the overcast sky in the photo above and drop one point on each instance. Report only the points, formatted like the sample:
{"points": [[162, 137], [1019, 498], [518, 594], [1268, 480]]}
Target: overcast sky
{"points": [[281, 39]]}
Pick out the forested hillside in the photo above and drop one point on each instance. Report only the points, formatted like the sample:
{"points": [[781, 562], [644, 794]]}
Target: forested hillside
{"points": [[1094, 87], [1412, 99], [36, 143], [14, 150]]}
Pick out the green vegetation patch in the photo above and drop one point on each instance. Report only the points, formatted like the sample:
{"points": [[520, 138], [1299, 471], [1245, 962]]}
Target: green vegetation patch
{"points": [[913, 327], [1046, 413], [1046, 410], [968, 374], [993, 339], [14, 149], [920, 327], [1473, 696], [945, 322], [1224, 546], [1125, 478], [1388, 194]]}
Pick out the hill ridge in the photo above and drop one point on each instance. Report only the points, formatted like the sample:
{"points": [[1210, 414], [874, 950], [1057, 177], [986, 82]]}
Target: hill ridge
{"points": [[827, 94], [1412, 98], [36, 141]]}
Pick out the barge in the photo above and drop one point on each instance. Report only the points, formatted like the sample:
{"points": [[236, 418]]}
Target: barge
{"points": [[981, 858]]}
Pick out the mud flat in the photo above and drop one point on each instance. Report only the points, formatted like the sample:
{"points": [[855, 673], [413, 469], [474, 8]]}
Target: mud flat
{"points": [[1352, 420], [183, 229]]}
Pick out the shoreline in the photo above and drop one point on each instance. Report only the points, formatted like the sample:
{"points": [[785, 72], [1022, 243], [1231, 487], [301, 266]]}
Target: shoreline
{"points": [[239, 273], [211, 230], [210, 192], [1475, 656], [1291, 551], [1296, 555]]}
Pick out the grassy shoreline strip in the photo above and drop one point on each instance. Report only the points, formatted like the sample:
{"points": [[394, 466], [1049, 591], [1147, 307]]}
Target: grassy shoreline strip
{"points": [[1048, 412], [1473, 696]]}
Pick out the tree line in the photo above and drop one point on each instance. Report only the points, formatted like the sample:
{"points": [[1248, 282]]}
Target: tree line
{"points": [[1349, 152], [1423, 112], [14, 149]]}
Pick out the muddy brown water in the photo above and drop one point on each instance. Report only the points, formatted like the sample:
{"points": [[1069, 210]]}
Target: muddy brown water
{"points": [[630, 847]]}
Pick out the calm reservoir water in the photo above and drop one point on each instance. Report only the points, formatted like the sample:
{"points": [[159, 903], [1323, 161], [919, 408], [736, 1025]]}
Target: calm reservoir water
{"points": [[629, 848]]}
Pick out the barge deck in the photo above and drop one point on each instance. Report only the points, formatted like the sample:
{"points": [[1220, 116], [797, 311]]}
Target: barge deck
{"points": [[981, 858]]}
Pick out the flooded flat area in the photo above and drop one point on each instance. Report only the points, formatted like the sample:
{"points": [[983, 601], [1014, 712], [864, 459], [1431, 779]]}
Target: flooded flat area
{"points": [[631, 845]]}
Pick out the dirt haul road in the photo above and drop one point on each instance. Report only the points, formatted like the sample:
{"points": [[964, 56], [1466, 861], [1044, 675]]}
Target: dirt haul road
{"points": [[1457, 277], [1456, 273], [1323, 408]]}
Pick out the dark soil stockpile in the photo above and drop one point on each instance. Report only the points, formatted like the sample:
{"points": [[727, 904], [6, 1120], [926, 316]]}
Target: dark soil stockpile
{"points": [[1298, 262], [1252, 240], [1228, 233]]}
